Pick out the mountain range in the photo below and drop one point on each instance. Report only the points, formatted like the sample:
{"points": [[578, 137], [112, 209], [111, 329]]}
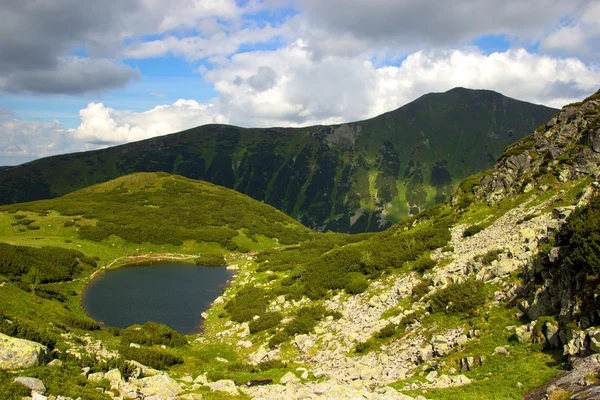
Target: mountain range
{"points": [[354, 177]]}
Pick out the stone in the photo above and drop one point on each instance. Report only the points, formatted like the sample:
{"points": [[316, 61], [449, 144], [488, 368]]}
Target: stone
{"points": [[38, 396], [595, 341], [224, 385], [201, 379], [552, 336], [523, 333], [259, 355], [191, 396], [20, 353], [114, 376], [302, 342], [501, 351], [432, 376], [289, 378], [441, 346], [32, 383], [161, 386], [96, 376], [244, 344], [55, 363]]}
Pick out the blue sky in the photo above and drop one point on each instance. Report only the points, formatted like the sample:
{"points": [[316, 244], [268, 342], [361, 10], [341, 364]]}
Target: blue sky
{"points": [[76, 73]]}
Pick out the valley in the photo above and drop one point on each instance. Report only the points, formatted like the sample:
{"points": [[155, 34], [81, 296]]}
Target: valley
{"points": [[488, 292]]}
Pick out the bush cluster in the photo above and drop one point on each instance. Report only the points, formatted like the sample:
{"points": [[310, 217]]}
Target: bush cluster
{"points": [[464, 297], [152, 333], [266, 321], [210, 260], [581, 234], [23, 330], [472, 230], [81, 323], [154, 358], [247, 303], [54, 264]]}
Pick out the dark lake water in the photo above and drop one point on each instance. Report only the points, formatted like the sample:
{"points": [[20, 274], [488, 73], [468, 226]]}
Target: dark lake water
{"points": [[168, 293]]}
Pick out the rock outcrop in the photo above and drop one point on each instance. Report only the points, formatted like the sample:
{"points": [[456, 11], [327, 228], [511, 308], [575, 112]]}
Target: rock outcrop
{"points": [[20, 353]]}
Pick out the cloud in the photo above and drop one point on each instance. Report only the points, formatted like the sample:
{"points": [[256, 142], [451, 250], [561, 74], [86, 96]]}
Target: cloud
{"points": [[27, 140], [433, 23], [103, 125], [71, 75], [303, 90], [38, 40]]}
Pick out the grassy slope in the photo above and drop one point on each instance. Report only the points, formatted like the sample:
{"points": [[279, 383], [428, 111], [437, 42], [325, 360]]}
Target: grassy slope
{"points": [[320, 174]]}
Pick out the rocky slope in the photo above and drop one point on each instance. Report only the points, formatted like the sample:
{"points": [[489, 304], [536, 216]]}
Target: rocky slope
{"points": [[355, 177], [499, 311]]}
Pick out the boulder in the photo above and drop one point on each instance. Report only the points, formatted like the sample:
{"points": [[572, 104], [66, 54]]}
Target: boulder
{"points": [[289, 378], [161, 386], [20, 353], [55, 363], [114, 376], [501, 351], [595, 341], [96, 376], [32, 383], [224, 385]]}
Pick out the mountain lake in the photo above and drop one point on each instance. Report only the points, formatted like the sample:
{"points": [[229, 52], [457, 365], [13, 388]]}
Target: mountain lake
{"points": [[173, 294]]}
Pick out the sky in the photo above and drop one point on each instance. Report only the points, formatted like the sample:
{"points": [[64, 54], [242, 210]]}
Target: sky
{"points": [[79, 75]]}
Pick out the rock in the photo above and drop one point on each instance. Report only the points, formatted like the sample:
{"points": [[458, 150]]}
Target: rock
{"points": [[577, 342], [55, 363], [161, 386], [302, 342], [425, 354], [244, 344], [551, 334], [144, 370], [134, 345], [187, 378], [523, 333], [201, 379], [441, 345], [19, 353], [191, 396], [114, 376], [204, 315], [259, 355], [38, 396], [501, 351], [432, 376], [96, 376], [32, 383], [595, 341], [289, 378], [224, 385], [221, 359]]}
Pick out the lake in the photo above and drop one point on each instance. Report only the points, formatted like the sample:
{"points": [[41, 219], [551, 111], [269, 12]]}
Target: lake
{"points": [[168, 293]]}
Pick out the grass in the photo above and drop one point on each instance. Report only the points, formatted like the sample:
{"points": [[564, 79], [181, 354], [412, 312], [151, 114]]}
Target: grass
{"points": [[498, 377]]}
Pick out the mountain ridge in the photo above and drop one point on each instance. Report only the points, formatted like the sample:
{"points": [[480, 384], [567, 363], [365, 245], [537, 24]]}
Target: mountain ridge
{"points": [[354, 177]]}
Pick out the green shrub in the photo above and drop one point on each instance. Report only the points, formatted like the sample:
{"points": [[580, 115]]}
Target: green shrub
{"points": [[21, 329], [489, 257], [247, 303], [33, 227], [81, 323], [69, 223], [472, 230], [306, 319], [152, 333], [420, 290], [388, 331], [266, 321], [158, 359], [16, 391], [210, 260], [464, 297], [364, 347], [278, 338], [357, 284], [423, 263], [581, 233]]}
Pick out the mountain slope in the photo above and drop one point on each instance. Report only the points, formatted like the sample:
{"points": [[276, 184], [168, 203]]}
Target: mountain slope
{"points": [[355, 177], [160, 210]]}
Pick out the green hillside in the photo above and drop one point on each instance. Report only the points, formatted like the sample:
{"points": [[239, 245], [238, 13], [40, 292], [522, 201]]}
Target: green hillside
{"points": [[151, 211], [355, 177]]}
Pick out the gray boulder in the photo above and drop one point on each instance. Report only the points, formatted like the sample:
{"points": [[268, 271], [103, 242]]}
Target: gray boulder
{"points": [[32, 383], [19, 353]]}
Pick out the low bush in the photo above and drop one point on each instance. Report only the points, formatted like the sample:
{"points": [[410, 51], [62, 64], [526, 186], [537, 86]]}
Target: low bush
{"points": [[423, 263], [472, 230], [420, 289], [464, 297], [209, 260], [266, 321], [154, 358], [388, 331], [23, 330], [306, 319], [489, 257], [247, 303], [152, 333], [81, 323], [278, 338]]}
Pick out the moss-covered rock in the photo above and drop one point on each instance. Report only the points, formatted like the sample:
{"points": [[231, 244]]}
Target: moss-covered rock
{"points": [[19, 353]]}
